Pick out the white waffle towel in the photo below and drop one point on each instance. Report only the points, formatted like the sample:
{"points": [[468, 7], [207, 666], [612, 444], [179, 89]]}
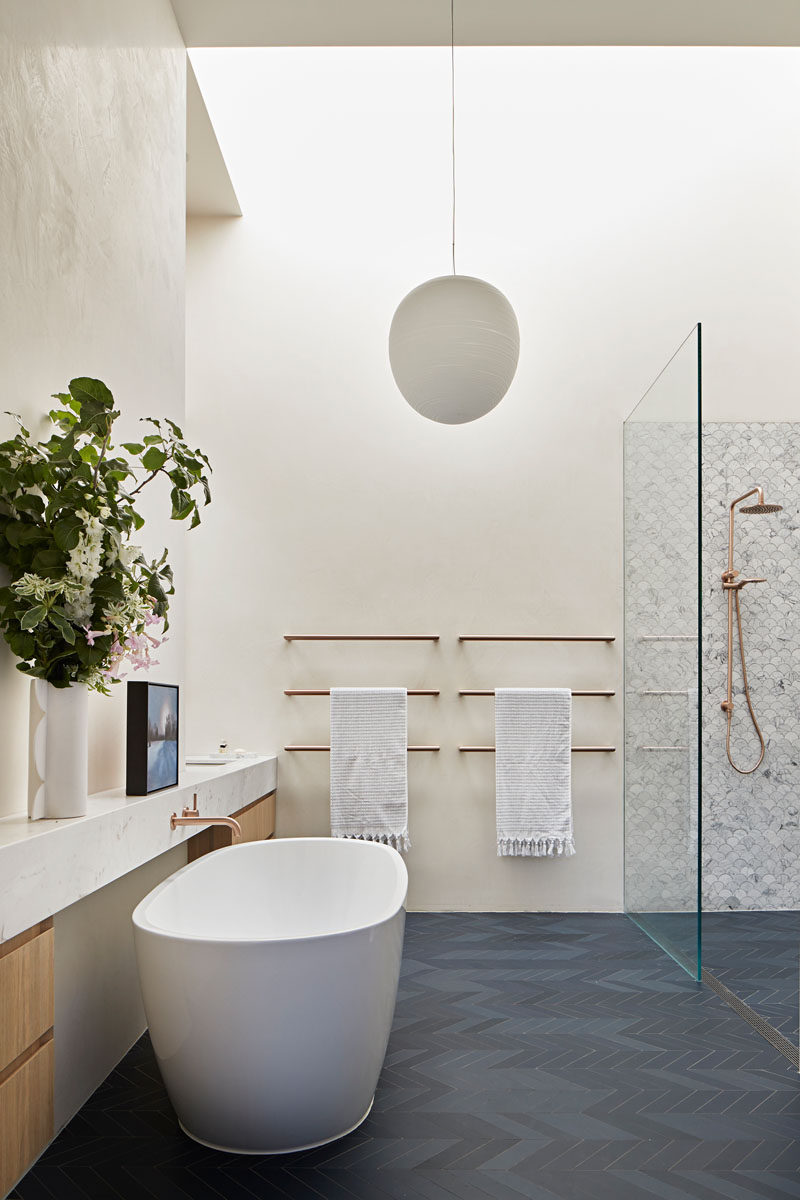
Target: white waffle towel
{"points": [[533, 737], [369, 765]]}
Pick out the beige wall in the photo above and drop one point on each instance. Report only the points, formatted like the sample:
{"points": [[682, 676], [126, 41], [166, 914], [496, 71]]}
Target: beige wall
{"points": [[92, 142], [616, 196]]}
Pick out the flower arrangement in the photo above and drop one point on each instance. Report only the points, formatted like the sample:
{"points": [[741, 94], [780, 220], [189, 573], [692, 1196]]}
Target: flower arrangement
{"points": [[82, 604]]}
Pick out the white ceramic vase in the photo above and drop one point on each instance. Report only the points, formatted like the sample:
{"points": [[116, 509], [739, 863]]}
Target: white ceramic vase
{"points": [[58, 750]]}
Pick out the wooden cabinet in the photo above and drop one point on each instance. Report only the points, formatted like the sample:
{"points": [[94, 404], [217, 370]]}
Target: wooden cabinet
{"points": [[257, 821], [26, 1050]]}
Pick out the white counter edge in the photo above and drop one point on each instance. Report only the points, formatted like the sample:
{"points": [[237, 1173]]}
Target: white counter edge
{"points": [[47, 865]]}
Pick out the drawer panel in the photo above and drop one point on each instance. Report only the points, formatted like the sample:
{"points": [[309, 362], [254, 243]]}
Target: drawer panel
{"points": [[26, 1104], [26, 990], [258, 821]]}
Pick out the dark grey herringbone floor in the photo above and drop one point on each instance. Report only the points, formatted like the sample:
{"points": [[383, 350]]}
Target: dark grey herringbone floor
{"points": [[532, 1056], [755, 954]]}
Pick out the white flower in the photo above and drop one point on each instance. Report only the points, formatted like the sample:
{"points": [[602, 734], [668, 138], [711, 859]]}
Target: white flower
{"points": [[129, 554], [84, 565]]}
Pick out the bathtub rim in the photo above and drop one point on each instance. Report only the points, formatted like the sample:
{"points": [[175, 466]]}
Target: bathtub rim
{"points": [[143, 923]]}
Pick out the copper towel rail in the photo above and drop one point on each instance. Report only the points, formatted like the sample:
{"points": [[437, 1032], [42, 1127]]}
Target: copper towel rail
{"points": [[575, 749], [361, 637], [483, 637], [327, 691], [487, 692], [328, 747]]}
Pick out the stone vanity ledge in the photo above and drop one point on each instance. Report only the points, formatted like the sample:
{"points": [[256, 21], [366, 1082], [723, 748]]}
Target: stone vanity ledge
{"points": [[47, 865]]}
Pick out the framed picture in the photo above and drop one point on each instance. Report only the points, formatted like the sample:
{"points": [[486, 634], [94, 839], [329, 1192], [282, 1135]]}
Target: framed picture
{"points": [[152, 753]]}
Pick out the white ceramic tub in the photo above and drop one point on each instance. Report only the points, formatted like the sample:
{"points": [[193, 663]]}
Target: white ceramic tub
{"points": [[269, 974]]}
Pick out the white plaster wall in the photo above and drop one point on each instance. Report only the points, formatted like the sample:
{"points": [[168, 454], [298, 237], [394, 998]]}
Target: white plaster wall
{"points": [[92, 148], [616, 196]]}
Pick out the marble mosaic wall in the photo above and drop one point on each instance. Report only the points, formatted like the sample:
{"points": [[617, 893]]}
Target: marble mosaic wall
{"points": [[751, 823], [661, 627]]}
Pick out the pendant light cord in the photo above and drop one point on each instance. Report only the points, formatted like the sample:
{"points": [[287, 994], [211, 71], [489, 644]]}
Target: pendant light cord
{"points": [[453, 119]]}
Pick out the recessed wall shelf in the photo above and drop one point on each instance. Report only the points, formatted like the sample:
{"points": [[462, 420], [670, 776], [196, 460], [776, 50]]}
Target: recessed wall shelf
{"points": [[684, 748], [664, 692], [668, 637]]}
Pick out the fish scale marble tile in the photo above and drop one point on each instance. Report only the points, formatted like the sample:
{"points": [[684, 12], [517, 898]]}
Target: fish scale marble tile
{"points": [[751, 824]]}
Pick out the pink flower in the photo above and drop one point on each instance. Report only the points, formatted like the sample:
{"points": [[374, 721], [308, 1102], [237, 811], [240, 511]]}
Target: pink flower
{"points": [[91, 634]]}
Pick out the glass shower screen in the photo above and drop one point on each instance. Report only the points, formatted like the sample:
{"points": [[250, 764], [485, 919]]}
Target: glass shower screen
{"points": [[662, 531]]}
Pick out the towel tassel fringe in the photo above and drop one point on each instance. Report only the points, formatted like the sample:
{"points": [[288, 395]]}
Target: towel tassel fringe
{"points": [[543, 847], [398, 841]]}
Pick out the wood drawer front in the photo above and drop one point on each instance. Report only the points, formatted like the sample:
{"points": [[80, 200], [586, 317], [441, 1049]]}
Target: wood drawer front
{"points": [[26, 1105], [26, 991], [257, 821]]}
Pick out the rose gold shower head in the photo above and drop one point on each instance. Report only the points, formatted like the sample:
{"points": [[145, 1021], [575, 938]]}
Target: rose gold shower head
{"points": [[733, 584]]}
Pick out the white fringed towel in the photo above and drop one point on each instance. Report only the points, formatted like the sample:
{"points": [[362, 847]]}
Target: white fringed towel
{"points": [[369, 765], [533, 766]]}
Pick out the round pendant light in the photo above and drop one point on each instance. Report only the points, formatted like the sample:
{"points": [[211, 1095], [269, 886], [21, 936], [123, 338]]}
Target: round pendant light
{"points": [[453, 348], [454, 340]]}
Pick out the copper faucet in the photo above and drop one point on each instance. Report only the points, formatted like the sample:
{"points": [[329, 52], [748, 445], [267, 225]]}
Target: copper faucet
{"points": [[191, 816]]}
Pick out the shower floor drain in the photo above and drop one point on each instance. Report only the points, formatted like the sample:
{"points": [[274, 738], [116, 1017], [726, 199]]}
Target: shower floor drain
{"points": [[775, 1039]]}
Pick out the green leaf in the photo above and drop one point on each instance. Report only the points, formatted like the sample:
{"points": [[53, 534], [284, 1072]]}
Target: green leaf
{"points": [[153, 459], [22, 644], [49, 559], [33, 617], [137, 520], [182, 504], [30, 503], [133, 447], [89, 455], [66, 532], [155, 589], [66, 630], [180, 478], [84, 389], [153, 439], [13, 531], [29, 532]]}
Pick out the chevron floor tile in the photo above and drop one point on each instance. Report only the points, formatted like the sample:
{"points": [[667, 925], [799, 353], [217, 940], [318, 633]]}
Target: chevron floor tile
{"points": [[536, 1056], [756, 955]]}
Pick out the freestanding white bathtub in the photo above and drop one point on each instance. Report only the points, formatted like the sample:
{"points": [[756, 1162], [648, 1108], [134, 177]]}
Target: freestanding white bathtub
{"points": [[269, 974]]}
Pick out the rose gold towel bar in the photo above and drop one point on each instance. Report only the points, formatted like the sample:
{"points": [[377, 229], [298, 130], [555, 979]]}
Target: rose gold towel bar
{"points": [[327, 691], [575, 749], [328, 747]]}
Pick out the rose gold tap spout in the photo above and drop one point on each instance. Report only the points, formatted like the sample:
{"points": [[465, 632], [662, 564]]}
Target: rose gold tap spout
{"points": [[191, 816]]}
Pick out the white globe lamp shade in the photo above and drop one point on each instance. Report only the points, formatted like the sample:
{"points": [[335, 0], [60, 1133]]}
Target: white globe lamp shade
{"points": [[453, 348]]}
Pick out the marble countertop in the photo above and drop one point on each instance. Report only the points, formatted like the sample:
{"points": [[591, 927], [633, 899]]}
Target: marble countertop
{"points": [[47, 865]]}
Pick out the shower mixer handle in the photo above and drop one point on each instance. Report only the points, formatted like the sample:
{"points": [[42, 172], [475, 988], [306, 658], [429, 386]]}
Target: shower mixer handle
{"points": [[731, 584]]}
